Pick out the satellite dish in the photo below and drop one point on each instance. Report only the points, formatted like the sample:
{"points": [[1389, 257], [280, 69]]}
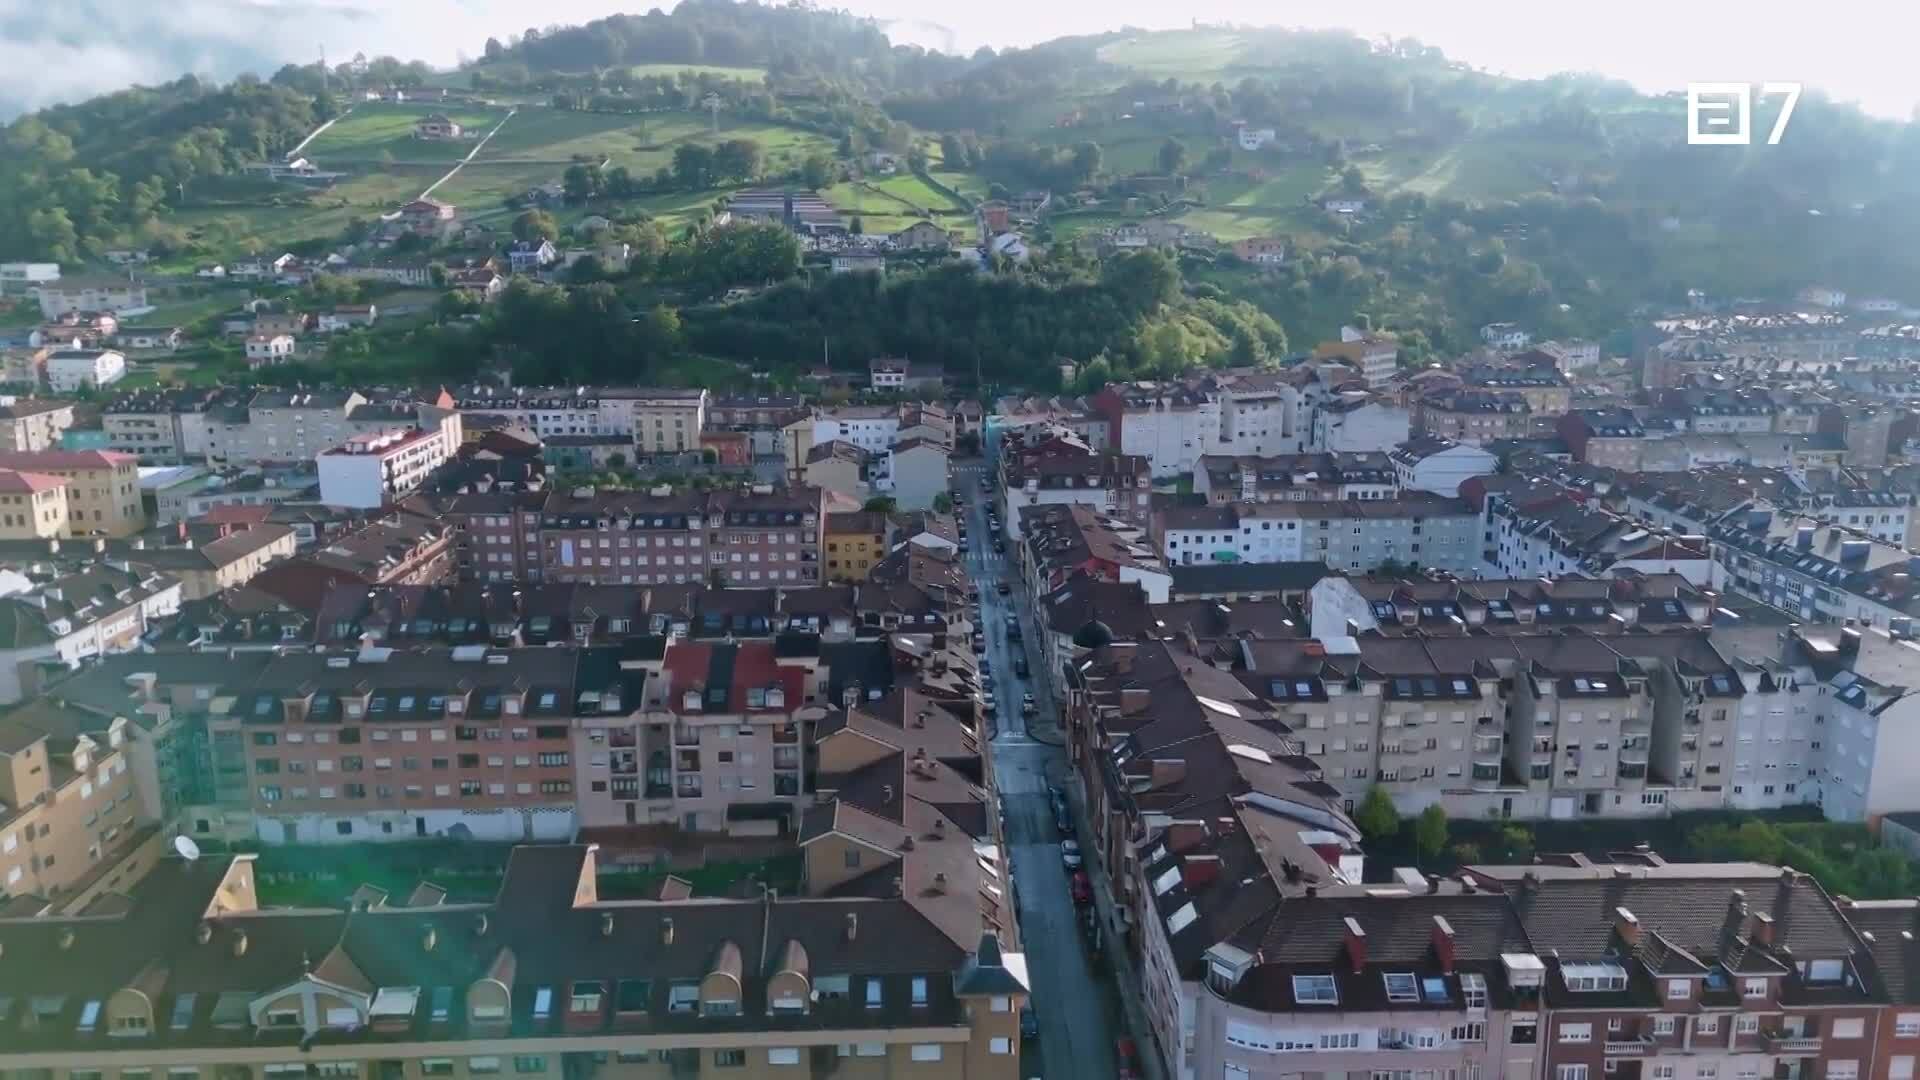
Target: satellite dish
{"points": [[186, 847]]}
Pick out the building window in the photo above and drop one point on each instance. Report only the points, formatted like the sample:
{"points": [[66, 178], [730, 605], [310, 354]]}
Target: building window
{"points": [[1746, 1024], [1678, 988], [1754, 988], [931, 1052], [1852, 1028], [729, 1059], [1315, 990], [1576, 1033], [1570, 1072]]}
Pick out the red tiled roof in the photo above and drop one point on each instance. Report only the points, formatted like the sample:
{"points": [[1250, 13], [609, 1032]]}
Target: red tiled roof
{"points": [[13, 481], [30, 461], [686, 669]]}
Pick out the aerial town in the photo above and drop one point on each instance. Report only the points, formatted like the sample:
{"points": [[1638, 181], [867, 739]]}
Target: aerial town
{"points": [[588, 567]]}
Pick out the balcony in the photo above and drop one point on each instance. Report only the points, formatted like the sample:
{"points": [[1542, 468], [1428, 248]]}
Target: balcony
{"points": [[659, 791], [1791, 1042], [1633, 1047]]}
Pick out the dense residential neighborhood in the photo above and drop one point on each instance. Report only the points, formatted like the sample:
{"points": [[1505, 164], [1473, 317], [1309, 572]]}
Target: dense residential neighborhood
{"points": [[725, 542]]}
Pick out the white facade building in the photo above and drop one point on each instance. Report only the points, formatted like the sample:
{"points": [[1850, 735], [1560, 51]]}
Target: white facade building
{"points": [[1439, 466], [21, 278], [366, 472], [1349, 425], [1505, 335], [70, 369], [871, 428], [1171, 429]]}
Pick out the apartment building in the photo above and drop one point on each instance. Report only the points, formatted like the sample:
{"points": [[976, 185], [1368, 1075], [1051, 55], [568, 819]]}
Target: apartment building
{"points": [[299, 425], [1609, 438], [1202, 811], [1247, 478], [1439, 466], [873, 428], [758, 535], [665, 421], [1350, 606], [33, 506], [69, 370], [1261, 413], [102, 487], [162, 427], [1059, 543], [1422, 977], [370, 471], [1049, 467], [197, 975], [87, 294], [29, 425], [855, 542], [1170, 425], [397, 549], [712, 742], [1375, 356], [1473, 417], [1542, 386], [1738, 970], [1557, 723], [1356, 534], [1355, 422], [1075, 414], [73, 820], [205, 569], [1556, 536], [759, 417], [59, 624], [1819, 572], [387, 745]]}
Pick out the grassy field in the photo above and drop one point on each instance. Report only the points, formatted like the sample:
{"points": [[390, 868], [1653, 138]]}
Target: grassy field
{"points": [[377, 131], [1236, 209], [484, 185], [1190, 56], [553, 135]]}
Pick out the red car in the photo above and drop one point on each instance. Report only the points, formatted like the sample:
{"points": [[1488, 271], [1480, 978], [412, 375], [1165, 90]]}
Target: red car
{"points": [[1082, 887], [1129, 1061]]}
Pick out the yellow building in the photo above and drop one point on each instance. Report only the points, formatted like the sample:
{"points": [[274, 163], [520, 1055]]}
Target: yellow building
{"points": [[103, 488], [855, 542], [33, 506]]}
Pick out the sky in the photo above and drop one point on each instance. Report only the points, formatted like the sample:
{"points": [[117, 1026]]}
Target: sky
{"points": [[1856, 50]]}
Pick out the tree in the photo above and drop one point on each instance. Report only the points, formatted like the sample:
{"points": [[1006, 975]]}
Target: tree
{"points": [[1353, 181], [880, 504], [586, 270], [737, 159], [1376, 816], [1430, 831], [917, 159], [816, 171], [943, 503], [534, 226], [582, 181], [1087, 158], [693, 166], [1172, 156], [1516, 841], [856, 226], [495, 50]]}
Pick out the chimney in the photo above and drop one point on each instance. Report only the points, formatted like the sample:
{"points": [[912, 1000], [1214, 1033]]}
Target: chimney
{"points": [[1760, 927], [853, 925], [1356, 943], [666, 931], [1803, 538], [1443, 943], [939, 884], [1199, 871], [1626, 925], [1184, 836]]}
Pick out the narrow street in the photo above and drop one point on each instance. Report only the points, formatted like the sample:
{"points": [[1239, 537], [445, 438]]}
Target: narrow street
{"points": [[1074, 1000]]}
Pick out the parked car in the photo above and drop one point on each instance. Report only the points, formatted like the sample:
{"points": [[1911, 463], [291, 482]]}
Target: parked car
{"points": [[1005, 588], [999, 545], [1029, 1023], [1082, 887], [1027, 706], [1129, 1060], [979, 642], [1020, 665], [1070, 854]]}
